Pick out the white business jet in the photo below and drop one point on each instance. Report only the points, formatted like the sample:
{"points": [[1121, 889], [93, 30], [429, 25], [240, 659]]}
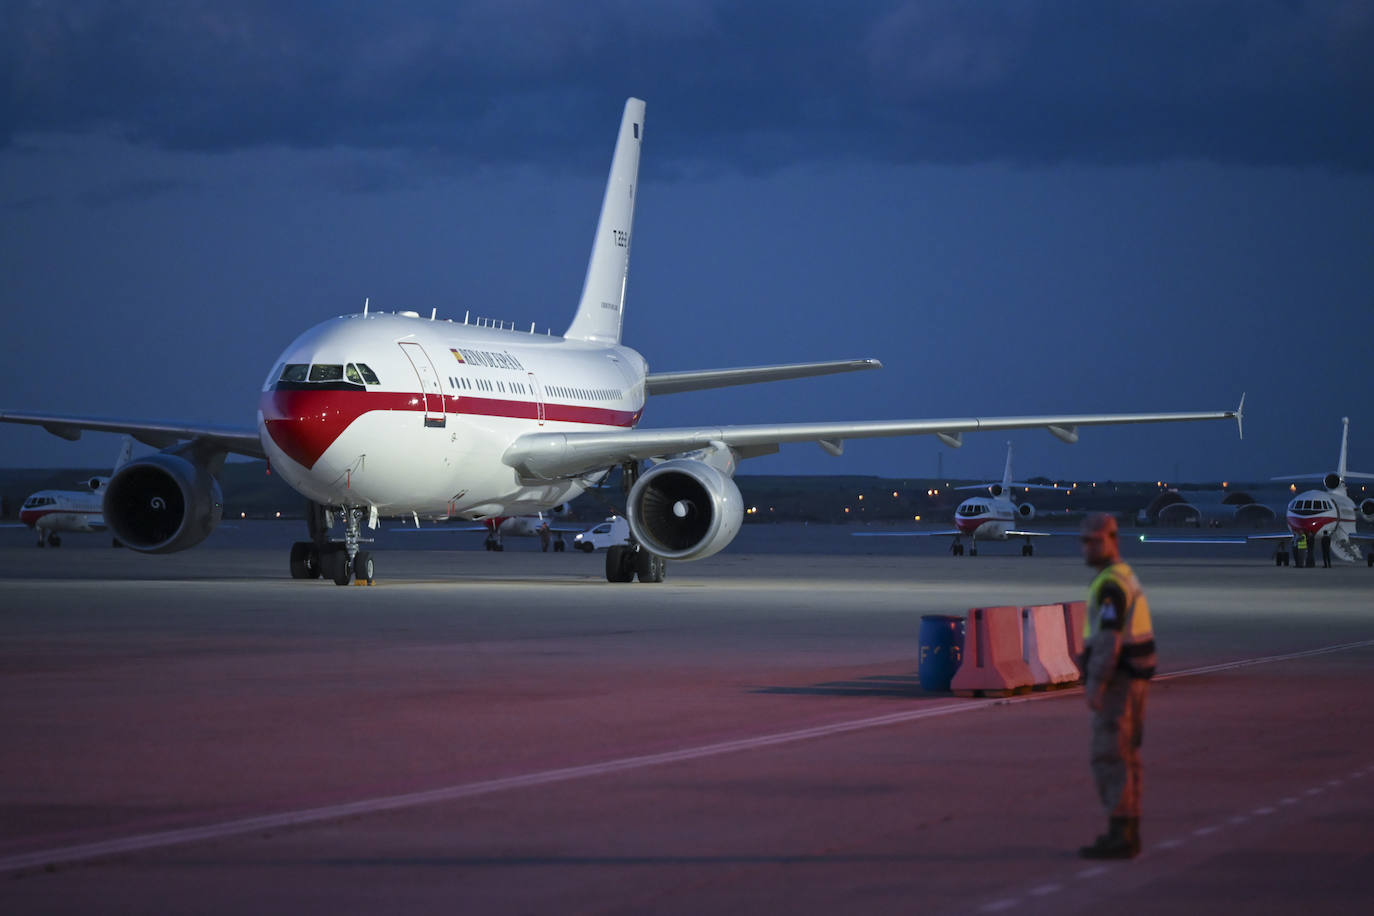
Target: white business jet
{"points": [[51, 512], [500, 527], [393, 414], [986, 518], [1316, 512]]}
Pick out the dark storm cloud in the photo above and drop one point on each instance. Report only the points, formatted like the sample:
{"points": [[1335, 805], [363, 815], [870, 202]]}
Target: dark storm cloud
{"points": [[734, 85]]}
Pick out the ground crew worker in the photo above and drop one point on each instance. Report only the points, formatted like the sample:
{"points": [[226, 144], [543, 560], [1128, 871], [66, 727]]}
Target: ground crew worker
{"points": [[544, 537], [1326, 549], [1300, 551], [1118, 662]]}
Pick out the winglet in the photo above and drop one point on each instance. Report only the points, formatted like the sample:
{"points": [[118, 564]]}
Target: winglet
{"points": [[1240, 416]]}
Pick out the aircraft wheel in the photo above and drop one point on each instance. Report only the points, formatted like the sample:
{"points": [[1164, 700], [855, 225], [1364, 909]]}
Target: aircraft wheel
{"points": [[363, 567], [619, 564], [1369, 560], [305, 560], [1027, 550], [973, 551], [498, 547], [54, 540], [334, 564], [648, 566]]}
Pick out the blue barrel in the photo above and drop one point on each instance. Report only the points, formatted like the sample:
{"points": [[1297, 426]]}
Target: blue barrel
{"points": [[942, 649]]}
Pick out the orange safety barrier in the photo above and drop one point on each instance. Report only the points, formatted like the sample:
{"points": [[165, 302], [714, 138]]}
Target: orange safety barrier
{"points": [[992, 665], [1075, 613], [1045, 646]]}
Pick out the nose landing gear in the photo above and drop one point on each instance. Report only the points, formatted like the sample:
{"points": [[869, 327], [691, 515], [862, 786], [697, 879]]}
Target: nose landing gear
{"points": [[320, 557]]}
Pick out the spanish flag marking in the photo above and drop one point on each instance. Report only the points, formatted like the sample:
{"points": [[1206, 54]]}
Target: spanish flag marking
{"points": [[456, 355]]}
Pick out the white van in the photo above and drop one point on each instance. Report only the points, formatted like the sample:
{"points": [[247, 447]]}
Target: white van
{"points": [[614, 530]]}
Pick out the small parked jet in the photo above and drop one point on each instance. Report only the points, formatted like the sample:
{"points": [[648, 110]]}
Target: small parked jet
{"points": [[50, 512]]}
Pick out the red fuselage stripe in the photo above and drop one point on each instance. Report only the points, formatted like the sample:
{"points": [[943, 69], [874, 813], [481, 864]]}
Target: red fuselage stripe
{"points": [[304, 424]]}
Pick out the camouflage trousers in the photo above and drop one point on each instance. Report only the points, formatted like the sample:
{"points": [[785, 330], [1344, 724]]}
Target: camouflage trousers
{"points": [[1118, 729]]}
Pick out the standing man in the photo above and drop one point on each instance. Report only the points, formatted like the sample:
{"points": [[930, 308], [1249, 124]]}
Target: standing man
{"points": [[544, 537], [1300, 550], [1118, 662], [1326, 549]]}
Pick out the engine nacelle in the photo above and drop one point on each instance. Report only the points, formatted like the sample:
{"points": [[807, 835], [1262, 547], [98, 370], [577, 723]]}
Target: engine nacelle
{"points": [[685, 509], [1367, 510], [1331, 481], [162, 504], [1025, 511], [995, 490]]}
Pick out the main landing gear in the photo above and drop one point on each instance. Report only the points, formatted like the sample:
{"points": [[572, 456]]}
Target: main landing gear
{"points": [[320, 557], [51, 539], [1027, 549], [625, 561]]}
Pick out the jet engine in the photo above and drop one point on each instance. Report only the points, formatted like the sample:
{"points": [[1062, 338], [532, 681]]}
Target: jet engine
{"points": [[1331, 481], [1025, 511], [1367, 510], [995, 490], [685, 509], [162, 504]]}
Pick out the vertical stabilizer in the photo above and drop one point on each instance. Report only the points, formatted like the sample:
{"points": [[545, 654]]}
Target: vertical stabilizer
{"points": [[1006, 472], [602, 308], [126, 451], [1345, 434]]}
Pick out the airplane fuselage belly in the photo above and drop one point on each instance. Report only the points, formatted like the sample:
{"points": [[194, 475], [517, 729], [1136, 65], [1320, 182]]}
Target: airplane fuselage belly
{"points": [[64, 520]]}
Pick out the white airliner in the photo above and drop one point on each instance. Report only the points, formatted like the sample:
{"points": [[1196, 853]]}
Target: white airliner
{"points": [[986, 518], [1315, 512], [49, 512], [394, 414]]}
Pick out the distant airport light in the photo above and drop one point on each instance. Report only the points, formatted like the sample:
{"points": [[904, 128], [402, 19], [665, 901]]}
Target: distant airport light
{"points": [[278, 515], [1224, 484], [894, 494], [861, 497], [846, 510], [243, 515], [1292, 488], [918, 518]]}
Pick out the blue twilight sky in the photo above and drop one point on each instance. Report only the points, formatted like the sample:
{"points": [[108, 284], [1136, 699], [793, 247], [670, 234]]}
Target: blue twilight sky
{"points": [[1019, 207]]}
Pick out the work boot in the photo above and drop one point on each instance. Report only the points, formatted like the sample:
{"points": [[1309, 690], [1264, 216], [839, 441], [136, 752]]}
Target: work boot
{"points": [[1114, 844]]}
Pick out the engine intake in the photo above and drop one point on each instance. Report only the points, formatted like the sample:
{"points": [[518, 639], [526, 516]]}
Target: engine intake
{"points": [[1025, 511], [685, 510], [1331, 481], [162, 504], [1367, 510]]}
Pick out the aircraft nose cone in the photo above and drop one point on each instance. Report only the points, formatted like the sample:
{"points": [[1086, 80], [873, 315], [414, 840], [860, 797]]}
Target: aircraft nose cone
{"points": [[303, 424]]}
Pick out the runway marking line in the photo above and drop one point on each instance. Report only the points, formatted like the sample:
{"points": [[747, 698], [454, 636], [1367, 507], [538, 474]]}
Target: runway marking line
{"points": [[142, 842]]}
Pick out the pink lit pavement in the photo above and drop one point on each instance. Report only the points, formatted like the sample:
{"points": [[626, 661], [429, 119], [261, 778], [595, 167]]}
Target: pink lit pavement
{"points": [[510, 734]]}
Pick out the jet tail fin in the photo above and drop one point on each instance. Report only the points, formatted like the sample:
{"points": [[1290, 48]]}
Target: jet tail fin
{"points": [[601, 310], [126, 451]]}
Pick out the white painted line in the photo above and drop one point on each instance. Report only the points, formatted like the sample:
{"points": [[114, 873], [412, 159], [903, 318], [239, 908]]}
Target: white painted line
{"points": [[1317, 791], [1169, 844], [1045, 890], [1239, 819], [998, 905], [285, 819], [1260, 812], [1335, 782], [1290, 800], [1203, 831], [1092, 872]]}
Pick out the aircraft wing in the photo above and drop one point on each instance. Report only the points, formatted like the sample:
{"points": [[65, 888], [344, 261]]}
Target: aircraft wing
{"points": [[1167, 539], [549, 456], [158, 435], [674, 382]]}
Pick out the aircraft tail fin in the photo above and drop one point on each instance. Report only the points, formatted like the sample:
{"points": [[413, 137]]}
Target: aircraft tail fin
{"points": [[126, 451], [1006, 472], [601, 311]]}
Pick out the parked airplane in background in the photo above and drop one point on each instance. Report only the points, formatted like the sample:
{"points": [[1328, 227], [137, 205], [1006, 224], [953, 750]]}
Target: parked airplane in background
{"points": [[1315, 512], [49, 512], [986, 518], [392, 414]]}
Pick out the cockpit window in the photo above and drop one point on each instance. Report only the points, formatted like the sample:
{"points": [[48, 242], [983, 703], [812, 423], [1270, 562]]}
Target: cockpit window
{"points": [[295, 372], [351, 371], [325, 372], [369, 376]]}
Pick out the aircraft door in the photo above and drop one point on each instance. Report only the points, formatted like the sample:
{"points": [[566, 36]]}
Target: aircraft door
{"points": [[538, 397], [428, 377]]}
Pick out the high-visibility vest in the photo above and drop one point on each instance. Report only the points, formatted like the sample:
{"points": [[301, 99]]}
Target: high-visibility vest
{"points": [[1137, 631], [1302, 542]]}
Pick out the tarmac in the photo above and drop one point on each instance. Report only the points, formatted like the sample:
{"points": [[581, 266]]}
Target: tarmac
{"points": [[509, 733]]}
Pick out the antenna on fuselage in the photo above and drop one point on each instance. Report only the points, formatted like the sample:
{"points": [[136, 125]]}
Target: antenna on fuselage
{"points": [[365, 301], [433, 313]]}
